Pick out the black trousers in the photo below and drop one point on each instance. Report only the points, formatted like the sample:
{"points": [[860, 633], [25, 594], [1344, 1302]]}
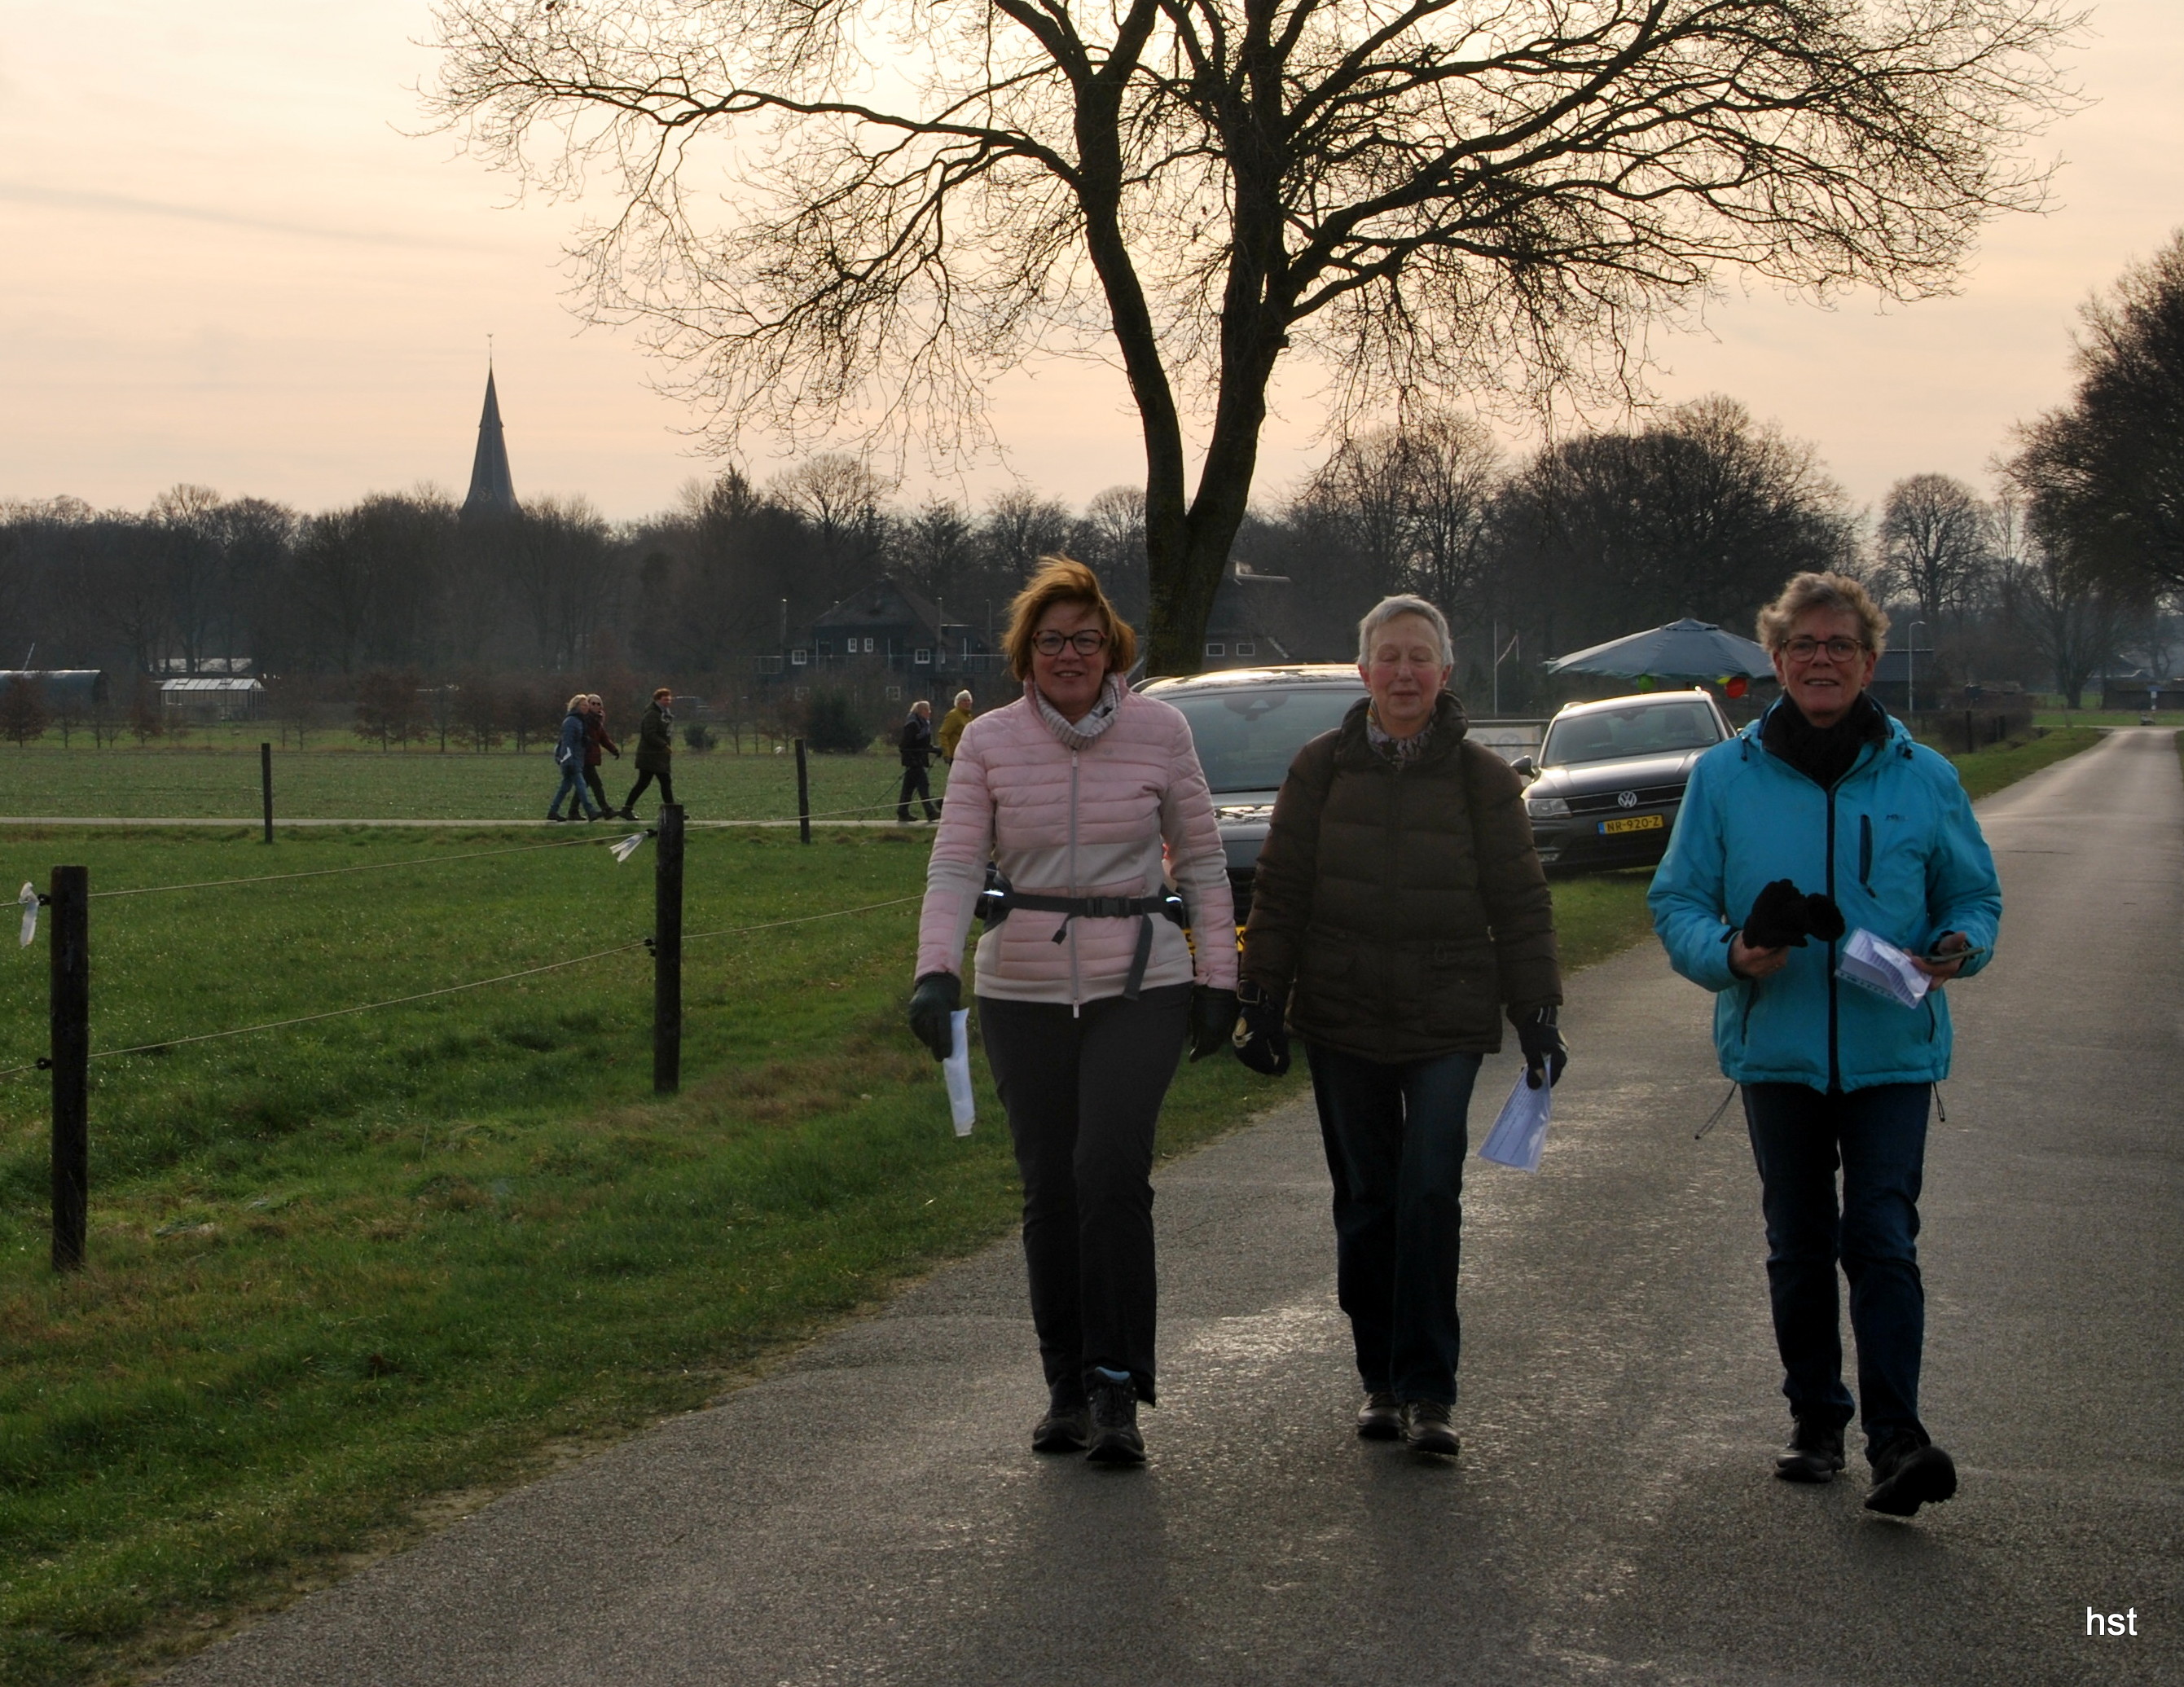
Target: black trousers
{"points": [[915, 781], [599, 789], [645, 775], [1083, 1093]]}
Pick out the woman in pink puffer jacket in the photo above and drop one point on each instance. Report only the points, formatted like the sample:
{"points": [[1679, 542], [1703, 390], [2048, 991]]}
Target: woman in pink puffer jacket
{"points": [[1089, 799]]}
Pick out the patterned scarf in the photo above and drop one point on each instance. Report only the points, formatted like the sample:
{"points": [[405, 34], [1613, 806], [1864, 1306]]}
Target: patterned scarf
{"points": [[1080, 735], [1397, 750]]}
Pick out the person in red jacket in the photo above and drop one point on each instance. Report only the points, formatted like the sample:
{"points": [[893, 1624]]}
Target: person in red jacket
{"points": [[596, 740], [1084, 797]]}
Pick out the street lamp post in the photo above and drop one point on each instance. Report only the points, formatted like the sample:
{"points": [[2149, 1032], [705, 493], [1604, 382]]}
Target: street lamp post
{"points": [[1911, 671]]}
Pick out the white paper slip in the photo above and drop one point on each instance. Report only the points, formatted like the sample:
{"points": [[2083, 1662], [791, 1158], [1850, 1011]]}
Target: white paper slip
{"points": [[1877, 964], [1520, 1131], [956, 1069]]}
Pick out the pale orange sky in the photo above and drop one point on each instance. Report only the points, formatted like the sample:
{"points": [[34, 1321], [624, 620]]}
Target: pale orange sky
{"points": [[227, 264]]}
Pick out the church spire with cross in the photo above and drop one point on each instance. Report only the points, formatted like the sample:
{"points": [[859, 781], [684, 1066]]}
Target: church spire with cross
{"points": [[492, 492]]}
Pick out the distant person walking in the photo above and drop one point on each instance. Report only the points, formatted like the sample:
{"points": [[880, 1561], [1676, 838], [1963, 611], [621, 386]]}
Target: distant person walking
{"points": [[1084, 797], [951, 726], [569, 757], [595, 741], [655, 752], [1819, 817], [916, 746]]}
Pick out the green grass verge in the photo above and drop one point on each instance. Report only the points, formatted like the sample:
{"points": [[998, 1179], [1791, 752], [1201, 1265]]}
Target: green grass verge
{"points": [[1985, 772], [178, 783]]}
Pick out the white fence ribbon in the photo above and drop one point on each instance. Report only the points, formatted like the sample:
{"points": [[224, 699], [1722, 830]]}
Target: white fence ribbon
{"points": [[29, 898]]}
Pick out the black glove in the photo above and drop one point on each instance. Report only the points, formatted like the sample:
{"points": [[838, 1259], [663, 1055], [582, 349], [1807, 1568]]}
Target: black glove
{"points": [[1213, 1017], [1541, 1039], [932, 1003], [1783, 916], [1259, 1040]]}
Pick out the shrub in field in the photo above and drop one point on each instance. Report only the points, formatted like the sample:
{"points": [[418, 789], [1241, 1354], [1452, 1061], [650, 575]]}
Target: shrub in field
{"points": [[386, 708], [699, 736], [835, 723], [145, 719], [23, 712]]}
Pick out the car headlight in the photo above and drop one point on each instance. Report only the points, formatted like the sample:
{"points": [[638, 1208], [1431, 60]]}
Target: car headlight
{"points": [[1546, 808]]}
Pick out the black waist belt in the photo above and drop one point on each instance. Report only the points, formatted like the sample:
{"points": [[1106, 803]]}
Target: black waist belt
{"points": [[1000, 898]]}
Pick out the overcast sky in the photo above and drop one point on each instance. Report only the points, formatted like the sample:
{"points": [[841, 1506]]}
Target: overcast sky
{"points": [[227, 263]]}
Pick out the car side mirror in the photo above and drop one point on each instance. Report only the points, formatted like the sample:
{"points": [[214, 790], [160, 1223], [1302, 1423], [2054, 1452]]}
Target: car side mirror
{"points": [[1525, 767]]}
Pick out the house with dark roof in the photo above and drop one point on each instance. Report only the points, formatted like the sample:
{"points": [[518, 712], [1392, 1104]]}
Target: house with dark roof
{"points": [[1248, 606], [886, 624]]}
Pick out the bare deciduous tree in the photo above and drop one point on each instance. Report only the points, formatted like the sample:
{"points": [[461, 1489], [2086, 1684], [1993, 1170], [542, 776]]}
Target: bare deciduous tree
{"points": [[2105, 474], [1432, 197], [1933, 544]]}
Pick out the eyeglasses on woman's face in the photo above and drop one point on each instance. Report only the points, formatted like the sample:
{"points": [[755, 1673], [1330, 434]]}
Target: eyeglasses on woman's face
{"points": [[1803, 649], [1085, 641]]}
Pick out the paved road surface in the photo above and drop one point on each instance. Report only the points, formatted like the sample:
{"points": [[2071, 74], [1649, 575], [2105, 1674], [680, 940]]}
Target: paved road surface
{"points": [[871, 1515]]}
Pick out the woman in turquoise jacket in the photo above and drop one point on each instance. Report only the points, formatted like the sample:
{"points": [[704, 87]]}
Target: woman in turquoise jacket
{"points": [[1820, 819]]}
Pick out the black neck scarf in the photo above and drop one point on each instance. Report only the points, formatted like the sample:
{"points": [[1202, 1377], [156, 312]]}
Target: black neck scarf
{"points": [[1824, 753]]}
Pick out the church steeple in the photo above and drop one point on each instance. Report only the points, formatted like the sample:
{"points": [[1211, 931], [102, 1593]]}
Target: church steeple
{"points": [[492, 492]]}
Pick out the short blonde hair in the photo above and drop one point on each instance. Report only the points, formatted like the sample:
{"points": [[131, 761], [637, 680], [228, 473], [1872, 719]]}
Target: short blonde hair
{"points": [[1064, 580], [962, 697], [1394, 609], [576, 702], [1806, 592]]}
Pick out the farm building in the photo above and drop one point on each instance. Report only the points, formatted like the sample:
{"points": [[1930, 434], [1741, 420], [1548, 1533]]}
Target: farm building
{"points": [[78, 690], [203, 699]]}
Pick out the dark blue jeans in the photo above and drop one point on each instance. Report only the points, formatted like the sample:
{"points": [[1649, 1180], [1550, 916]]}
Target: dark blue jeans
{"points": [[1878, 1138], [1395, 1137]]}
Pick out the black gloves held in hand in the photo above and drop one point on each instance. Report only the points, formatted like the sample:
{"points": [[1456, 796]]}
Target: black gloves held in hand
{"points": [[1213, 1017], [1783, 916], [1541, 1039], [1259, 1040], [932, 1004]]}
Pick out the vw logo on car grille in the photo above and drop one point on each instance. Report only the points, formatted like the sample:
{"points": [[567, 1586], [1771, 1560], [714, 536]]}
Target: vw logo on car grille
{"points": [[1626, 799]]}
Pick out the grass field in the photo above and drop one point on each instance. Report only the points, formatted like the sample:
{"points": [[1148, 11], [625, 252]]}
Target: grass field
{"points": [[184, 783]]}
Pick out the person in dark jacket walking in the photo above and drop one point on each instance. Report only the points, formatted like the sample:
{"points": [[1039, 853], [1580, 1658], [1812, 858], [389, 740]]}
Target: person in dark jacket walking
{"points": [[655, 751], [916, 746], [596, 740], [1822, 817], [1398, 909], [569, 757]]}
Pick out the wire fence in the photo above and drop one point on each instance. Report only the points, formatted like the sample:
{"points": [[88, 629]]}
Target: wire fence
{"points": [[163, 1044]]}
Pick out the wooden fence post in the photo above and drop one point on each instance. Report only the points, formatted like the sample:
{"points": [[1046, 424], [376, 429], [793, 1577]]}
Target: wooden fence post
{"points": [[803, 793], [667, 953], [265, 785], [70, 1010]]}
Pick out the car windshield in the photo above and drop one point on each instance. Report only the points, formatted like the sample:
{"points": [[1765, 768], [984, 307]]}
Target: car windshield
{"points": [[1640, 729], [1247, 737]]}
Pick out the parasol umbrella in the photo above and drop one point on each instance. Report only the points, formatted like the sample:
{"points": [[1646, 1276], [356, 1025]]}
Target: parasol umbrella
{"points": [[1683, 649]]}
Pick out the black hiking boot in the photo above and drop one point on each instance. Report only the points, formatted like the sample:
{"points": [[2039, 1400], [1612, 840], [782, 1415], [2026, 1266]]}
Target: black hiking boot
{"points": [[1065, 1428], [1427, 1428], [1909, 1472], [1815, 1453], [1380, 1419], [1115, 1436]]}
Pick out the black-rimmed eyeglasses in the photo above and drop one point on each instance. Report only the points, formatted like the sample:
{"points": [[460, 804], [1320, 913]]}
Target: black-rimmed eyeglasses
{"points": [[1085, 642], [1839, 649]]}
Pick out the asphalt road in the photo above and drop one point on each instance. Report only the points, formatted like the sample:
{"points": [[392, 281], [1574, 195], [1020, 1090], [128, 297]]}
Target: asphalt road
{"points": [[871, 1513]]}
